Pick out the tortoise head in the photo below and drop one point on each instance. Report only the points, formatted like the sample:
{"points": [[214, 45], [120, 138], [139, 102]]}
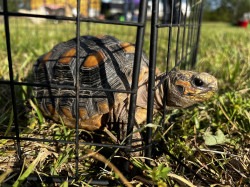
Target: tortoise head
{"points": [[186, 88]]}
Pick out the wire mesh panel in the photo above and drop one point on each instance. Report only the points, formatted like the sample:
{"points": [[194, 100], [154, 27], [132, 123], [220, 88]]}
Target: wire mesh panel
{"points": [[175, 30], [31, 28]]}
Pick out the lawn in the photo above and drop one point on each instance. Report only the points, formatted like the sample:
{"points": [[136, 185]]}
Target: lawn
{"points": [[212, 139]]}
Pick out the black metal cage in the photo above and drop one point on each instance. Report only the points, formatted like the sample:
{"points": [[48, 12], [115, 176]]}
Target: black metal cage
{"points": [[168, 30]]}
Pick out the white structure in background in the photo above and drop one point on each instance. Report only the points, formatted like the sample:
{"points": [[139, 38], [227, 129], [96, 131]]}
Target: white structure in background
{"points": [[117, 8], [185, 8], [246, 16]]}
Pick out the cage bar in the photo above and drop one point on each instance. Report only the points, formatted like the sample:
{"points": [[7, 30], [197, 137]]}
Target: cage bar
{"points": [[181, 41]]}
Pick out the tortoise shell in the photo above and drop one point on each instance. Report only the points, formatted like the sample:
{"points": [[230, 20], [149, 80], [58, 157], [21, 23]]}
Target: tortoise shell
{"points": [[106, 65]]}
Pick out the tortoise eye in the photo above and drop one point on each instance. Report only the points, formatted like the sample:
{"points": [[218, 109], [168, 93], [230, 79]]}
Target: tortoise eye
{"points": [[198, 82]]}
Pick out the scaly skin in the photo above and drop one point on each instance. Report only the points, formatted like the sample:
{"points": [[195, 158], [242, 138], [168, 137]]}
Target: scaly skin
{"points": [[186, 88], [183, 89]]}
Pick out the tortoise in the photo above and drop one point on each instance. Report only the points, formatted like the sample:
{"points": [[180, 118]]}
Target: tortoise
{"points": [[107, 63]]}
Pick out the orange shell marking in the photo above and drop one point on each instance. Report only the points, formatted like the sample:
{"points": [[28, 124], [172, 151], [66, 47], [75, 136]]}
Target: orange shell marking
{"points": [[103, 107], [94, 59], [67, 56], [128, 47], [83, 113], [51, 109], [67, 112], [46, 57]]}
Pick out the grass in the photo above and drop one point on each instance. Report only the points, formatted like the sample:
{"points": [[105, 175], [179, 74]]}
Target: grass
{"points": [[212, 138]]}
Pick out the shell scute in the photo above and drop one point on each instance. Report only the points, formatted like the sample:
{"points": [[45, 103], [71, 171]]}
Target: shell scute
{"points": [[66, 57], [105, 63], [94, 59]]}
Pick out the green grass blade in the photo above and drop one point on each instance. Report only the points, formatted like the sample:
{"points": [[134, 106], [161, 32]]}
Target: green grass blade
{"points": [[41, 156], [65, 184], [37, 110]]}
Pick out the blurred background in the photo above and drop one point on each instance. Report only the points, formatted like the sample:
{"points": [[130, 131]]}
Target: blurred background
{"points": [[231, 11], [214, 10]]}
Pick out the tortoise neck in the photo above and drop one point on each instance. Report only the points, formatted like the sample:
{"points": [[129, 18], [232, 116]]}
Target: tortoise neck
{"points": [[158, 95]]}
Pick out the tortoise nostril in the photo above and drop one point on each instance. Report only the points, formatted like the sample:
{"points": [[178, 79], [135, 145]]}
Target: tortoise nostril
{"points": [[198, 82], [180, 89]]}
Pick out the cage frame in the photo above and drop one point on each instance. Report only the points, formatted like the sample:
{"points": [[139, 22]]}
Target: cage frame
{"points": [[140, 25]]}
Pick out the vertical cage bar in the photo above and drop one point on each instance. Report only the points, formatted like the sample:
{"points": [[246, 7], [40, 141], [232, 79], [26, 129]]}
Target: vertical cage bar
{"points": [[192, 42], [11, 75], [189, 26], [200, 16], [192, 32], [151, 80], [77, 86], [170, 30], [178, 35], [192, 20], [184, 31], [170, 36], [136, 68]]}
